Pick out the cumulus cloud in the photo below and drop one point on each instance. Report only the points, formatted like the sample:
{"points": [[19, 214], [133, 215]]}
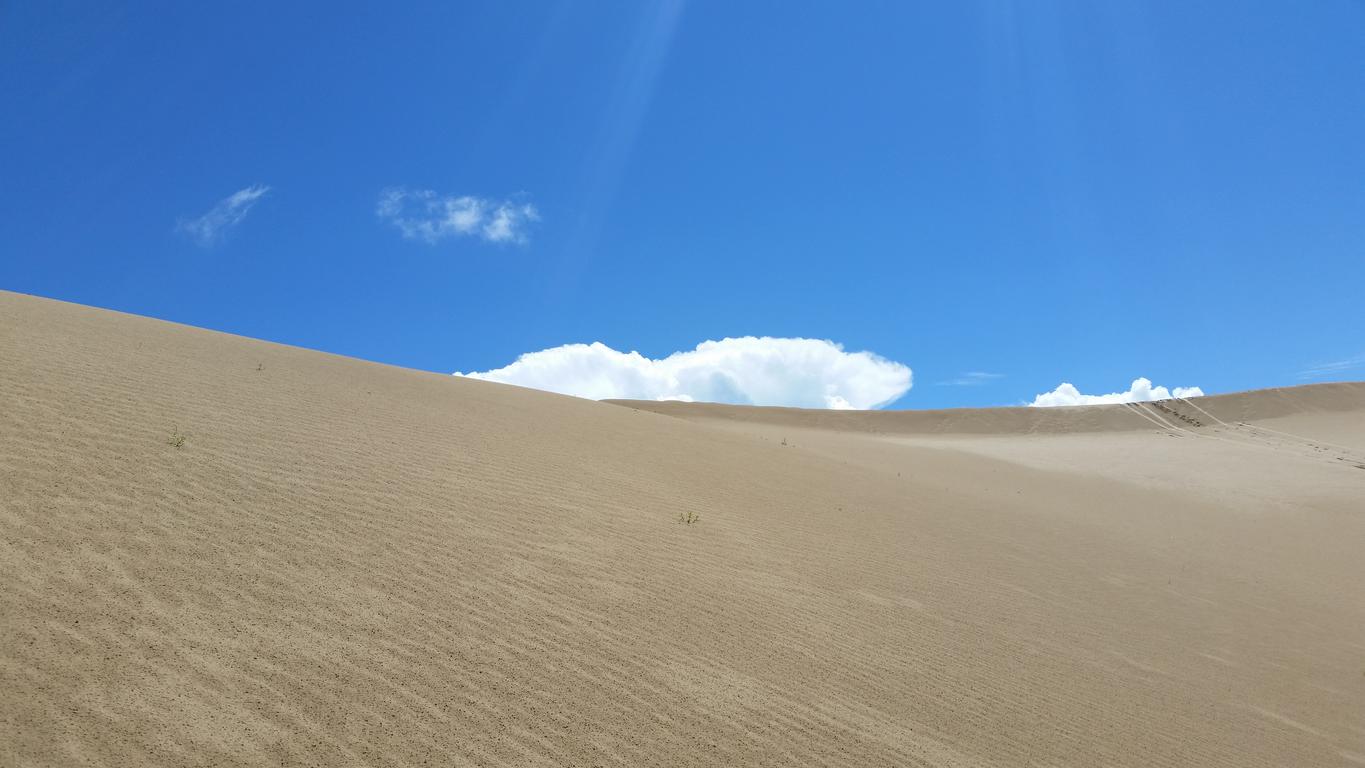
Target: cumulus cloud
{"points": [[228, 213], [421, 214], [1141, 391], [806, 373]]}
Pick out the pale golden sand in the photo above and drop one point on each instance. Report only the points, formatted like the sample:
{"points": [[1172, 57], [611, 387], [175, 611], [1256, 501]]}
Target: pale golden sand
{"points": [[346, 563]]}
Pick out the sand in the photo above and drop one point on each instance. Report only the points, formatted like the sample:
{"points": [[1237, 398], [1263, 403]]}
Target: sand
{"points": [[221, 551]]}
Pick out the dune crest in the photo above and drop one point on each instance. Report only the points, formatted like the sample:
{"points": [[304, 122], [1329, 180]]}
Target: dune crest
{"points": [[216, 550]]}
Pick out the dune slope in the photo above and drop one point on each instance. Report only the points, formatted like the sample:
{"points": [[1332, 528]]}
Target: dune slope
{"points": [[222, 551]]}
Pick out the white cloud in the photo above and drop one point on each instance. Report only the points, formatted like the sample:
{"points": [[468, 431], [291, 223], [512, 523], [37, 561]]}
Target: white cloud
{"points": [[421, 214], [1140, 391], [228, 213], [807, 373], [971, 379], [1334, 368]]}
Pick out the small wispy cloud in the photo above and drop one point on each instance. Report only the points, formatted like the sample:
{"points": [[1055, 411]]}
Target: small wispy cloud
{"points": [[1334, 368], [422, 214], [228, 213], [971, 379]]}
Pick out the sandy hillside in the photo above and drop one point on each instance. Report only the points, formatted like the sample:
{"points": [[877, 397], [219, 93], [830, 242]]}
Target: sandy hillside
{"points": [[344, 563]]}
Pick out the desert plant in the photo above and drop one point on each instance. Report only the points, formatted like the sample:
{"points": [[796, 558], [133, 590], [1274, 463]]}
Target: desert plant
{"points": [[177, 440], [688, 518]]}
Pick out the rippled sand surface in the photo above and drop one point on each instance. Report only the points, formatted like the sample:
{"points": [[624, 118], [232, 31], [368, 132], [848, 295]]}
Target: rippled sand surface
{"points": [[221, 551]]}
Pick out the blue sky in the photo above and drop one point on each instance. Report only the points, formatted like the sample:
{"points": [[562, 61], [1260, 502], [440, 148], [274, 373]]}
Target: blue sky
{"points": [[1044, 192]]}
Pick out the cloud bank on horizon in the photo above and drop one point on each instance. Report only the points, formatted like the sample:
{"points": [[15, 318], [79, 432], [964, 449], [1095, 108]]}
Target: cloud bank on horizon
{"points": [[804, 373], [228, 213], [422, 214], [1140, 391]]}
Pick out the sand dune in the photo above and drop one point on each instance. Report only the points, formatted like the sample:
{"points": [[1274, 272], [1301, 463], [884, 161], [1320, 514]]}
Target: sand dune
{"points": [[221, 551]]}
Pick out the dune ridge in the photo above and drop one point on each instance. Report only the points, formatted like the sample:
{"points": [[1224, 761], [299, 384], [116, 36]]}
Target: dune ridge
{"points": [[222, 551], [1255, 405]]}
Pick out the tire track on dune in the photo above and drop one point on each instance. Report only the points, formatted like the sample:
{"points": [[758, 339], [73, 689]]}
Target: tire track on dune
{"points": [[1177, 424], [1313, 444]]}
